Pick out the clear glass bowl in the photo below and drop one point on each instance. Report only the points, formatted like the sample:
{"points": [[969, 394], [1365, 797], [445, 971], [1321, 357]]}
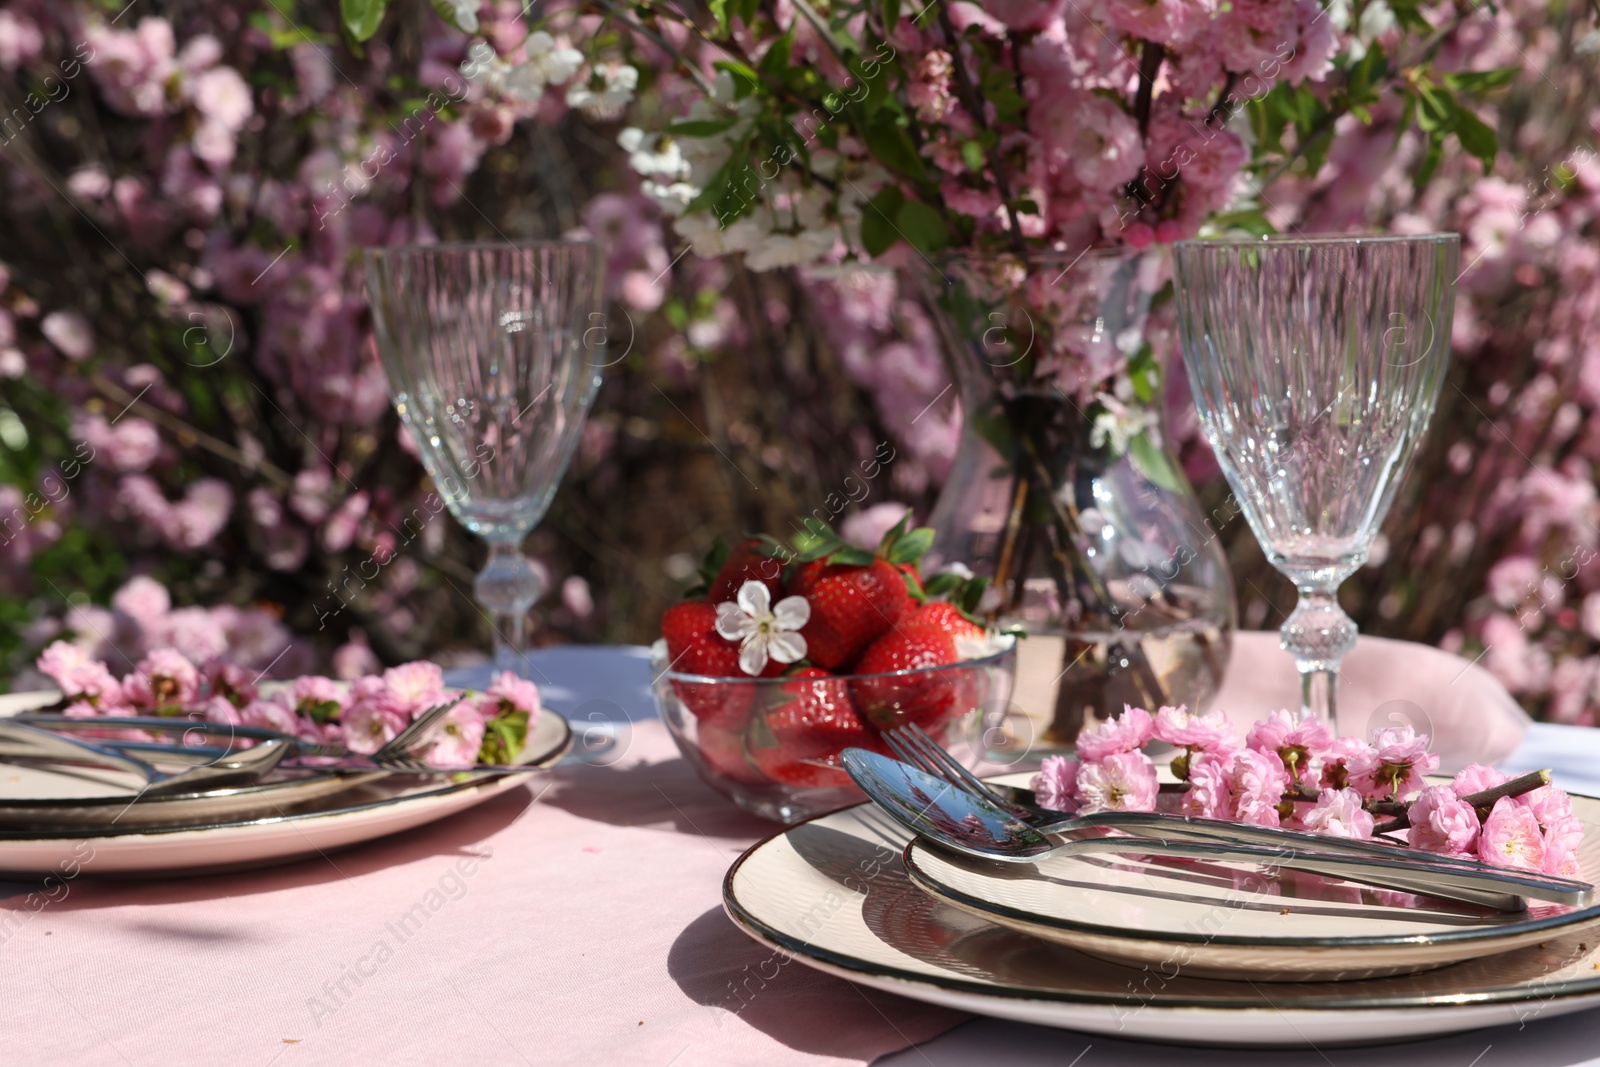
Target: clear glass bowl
{"points": [[740, 734]]}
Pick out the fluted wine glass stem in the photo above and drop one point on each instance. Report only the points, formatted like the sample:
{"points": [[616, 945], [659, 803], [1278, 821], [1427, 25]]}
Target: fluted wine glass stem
{"points": [[507, 588], [1319, 634]]}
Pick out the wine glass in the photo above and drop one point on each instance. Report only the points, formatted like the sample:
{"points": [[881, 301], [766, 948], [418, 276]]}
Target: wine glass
{"points": [[1315, 364], [494, 354]]}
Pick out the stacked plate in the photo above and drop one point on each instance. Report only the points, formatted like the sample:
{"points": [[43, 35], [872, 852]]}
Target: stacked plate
{"points": [[67, 820], [1162, 949]]}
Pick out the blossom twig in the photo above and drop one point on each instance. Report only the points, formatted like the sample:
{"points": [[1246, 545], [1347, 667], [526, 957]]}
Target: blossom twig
{"points": [[1526, 783]]}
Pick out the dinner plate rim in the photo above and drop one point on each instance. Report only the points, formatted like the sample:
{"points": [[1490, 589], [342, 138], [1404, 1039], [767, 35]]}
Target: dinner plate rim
{"points": [[1333, 1002], [1467, 934], [562, 745]]}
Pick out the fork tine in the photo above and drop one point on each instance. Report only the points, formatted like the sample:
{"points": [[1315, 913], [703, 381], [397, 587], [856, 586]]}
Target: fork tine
{"points": [[908, 753], [936, 752], [419, 726]]}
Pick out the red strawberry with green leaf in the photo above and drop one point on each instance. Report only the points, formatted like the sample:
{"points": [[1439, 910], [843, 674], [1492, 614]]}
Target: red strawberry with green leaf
{"points": [[695, 647], [759, 559], [925, 638], [855, 596], [813, 720]]}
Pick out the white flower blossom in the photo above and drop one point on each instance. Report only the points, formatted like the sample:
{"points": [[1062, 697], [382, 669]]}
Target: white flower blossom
{"points": [[620, 82], [466, 14], [1118, 423], [764, 630], [556, 62]]}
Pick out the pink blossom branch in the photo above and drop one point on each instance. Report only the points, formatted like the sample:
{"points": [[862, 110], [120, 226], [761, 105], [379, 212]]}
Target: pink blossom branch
{"points": [[1526, 783]]}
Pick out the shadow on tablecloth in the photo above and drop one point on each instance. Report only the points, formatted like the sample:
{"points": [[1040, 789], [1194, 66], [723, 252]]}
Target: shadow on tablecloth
{"points": [[717, 965]]}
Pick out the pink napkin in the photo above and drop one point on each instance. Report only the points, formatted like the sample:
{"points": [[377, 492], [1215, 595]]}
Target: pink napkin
{"points": [[585, 927], [1468, 713]]}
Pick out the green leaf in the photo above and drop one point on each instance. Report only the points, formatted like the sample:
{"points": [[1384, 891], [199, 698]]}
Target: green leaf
{"points": [[776, 60], [719, 11], [891, 14], [852, 557], [361, 17], [891, 145], [941, 584], [1430, 163], [970, 595], [878, 233], [503, 737], [701, 127], [1480, 81], [912, 546], [923, 226], [1151, 461], [1247, 220], [1436, 108], [745, 79], [972, 156], [1477, 137]]}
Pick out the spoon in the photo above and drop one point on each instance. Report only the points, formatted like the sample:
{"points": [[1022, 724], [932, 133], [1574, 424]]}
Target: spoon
{"points": [[936, 810]]}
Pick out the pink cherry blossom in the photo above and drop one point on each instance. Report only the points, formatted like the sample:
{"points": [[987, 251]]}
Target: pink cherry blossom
{"points": [[229, 680], [1475, 778], [79, 675], [1208, 795], [163, 679], [70, 332], [1441, 822], [1056, 785], [1297, 742], [1122, 781], [219, 709], [1395, 765], [310, 691], [1338, 812], [1257, 781], [512, 693], [1511, 837], [1128, 731], [414, 686], [458, 737], [274, 715], [1561, 840], [1210, 732], [143, 599], [367, 727]]}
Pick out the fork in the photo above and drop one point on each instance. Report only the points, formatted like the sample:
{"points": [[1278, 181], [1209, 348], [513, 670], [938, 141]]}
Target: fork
{"points": [[913, 745], [25, 742], [395, 755]]}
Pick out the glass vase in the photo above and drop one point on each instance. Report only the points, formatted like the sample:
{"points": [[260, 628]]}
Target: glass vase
{"points": [[1065, 494]]}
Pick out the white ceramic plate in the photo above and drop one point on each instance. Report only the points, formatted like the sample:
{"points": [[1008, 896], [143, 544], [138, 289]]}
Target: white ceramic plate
{"points": [[380, 806], [834, 894], [1220, 920]]}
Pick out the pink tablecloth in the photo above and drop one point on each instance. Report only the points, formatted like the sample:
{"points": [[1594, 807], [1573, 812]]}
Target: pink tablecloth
{"points": [[585, 927]]}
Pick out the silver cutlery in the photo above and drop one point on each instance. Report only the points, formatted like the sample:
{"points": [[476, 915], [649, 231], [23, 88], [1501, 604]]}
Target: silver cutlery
{"points": [[35, 738], [912, 744], [967, 822], [20, 741]]}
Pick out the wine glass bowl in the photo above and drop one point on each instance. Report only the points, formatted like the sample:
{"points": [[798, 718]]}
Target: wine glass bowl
{"points": [[493, 372], [1315, 365]]}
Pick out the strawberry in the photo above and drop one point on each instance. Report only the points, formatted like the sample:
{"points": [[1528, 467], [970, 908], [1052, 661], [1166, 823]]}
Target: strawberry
{"points": [[851, 606], [814, 720], [929, 698], [695, 647], [723, 753], [750, 560], [944, 616]]}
